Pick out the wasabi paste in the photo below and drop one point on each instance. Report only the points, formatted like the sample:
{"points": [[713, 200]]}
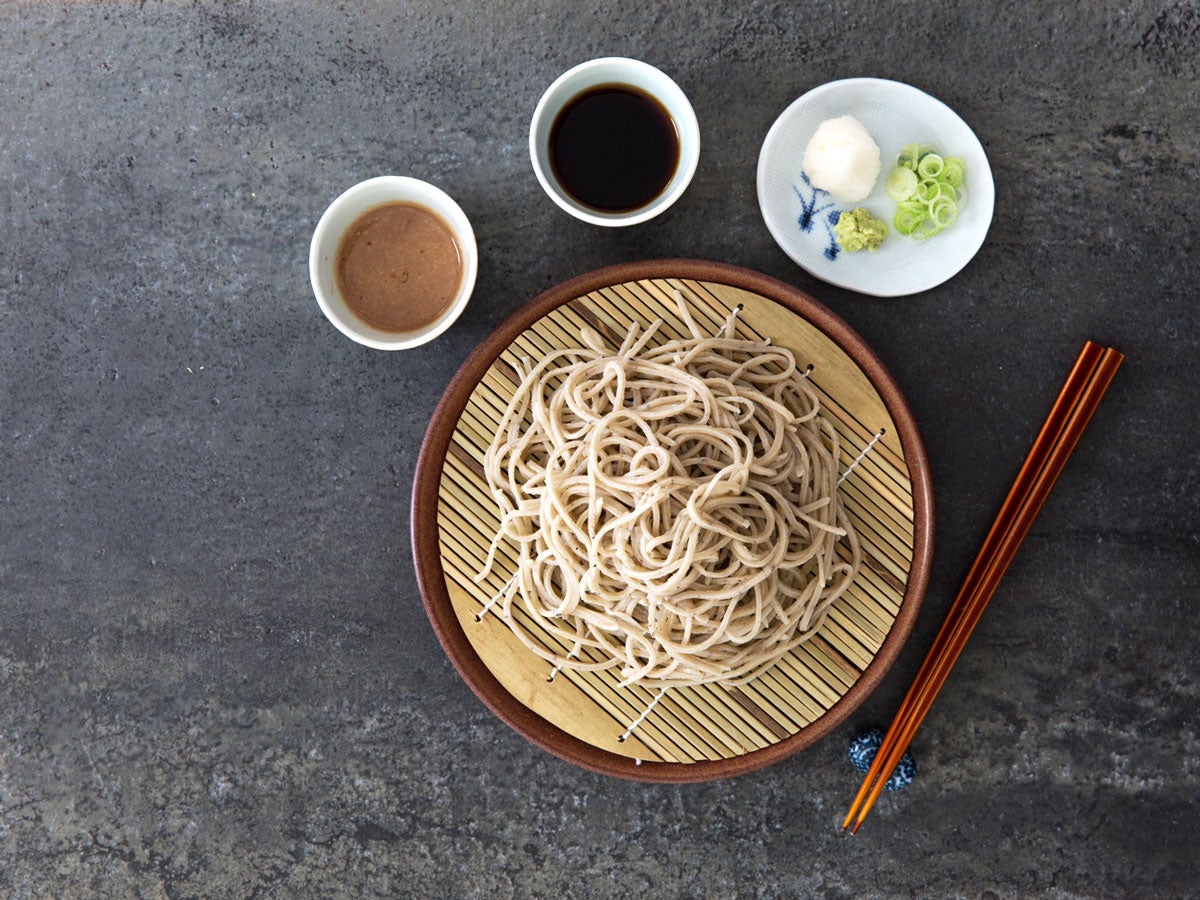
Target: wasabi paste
{"points": [[859, 230]]}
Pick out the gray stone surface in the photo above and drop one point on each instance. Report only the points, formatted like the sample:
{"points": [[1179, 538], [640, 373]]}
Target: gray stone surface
{"points": [[216, 676]]}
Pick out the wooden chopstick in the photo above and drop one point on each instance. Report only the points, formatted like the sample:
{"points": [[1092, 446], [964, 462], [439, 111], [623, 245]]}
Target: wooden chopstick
{"points": [[1027, 497], [1086, 383], [1081, 371]]}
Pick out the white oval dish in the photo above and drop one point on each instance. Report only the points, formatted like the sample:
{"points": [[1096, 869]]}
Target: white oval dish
{"points": [[801, 218]]}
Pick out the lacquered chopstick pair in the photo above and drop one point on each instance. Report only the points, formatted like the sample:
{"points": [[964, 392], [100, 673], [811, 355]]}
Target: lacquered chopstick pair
{"points": [[1086, 383]]}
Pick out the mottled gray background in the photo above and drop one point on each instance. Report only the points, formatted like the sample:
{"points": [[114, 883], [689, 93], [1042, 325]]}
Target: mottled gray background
{"points": [[216, 675]]}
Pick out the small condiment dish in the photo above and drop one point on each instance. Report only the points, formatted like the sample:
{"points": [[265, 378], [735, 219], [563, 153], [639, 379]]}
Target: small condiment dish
{"points": [[801, 217], [615, 71], [332, 227]]}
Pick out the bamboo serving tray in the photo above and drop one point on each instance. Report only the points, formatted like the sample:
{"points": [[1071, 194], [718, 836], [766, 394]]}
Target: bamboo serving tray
{"points": [[693, 733]]}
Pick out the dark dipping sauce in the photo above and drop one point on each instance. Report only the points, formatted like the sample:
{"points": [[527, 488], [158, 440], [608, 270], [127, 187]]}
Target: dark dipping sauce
{"points": [[614, 148], [399, 267]]}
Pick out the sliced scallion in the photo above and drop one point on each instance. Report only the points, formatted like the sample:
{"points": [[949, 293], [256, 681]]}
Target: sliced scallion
{"points": [[953, 170], [911, 155], [943, 211], [930, 166], [909, 216], [928, 189], [901, 183]]}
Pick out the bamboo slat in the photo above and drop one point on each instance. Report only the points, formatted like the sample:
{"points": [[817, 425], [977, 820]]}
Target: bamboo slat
{"points": [[707, 722]]}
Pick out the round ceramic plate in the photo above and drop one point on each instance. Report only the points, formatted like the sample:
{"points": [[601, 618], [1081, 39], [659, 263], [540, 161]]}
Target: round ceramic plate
{"points": [[801, 218], [688, 733]]}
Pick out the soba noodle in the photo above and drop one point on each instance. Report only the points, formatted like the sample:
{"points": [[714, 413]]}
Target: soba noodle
{"points": [[673, 509]]}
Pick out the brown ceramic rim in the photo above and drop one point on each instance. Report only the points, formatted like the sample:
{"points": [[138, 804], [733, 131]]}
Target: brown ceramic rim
{"points": [[426, 539]]}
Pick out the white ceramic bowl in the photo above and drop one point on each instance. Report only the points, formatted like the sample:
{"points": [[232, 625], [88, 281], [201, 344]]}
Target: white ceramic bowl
{"points": [[341, 214], [615, 70], [801, 218]]}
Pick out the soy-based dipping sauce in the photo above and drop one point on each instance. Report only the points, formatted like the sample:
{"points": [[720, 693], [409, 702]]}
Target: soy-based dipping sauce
{"points": [[399, 267], [614, 148]]}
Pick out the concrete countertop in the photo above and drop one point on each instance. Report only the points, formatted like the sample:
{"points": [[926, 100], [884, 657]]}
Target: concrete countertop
{"points": [[216, 675]]}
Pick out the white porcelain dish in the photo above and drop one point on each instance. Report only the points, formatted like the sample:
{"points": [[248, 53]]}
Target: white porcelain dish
{"points": [[801, 218]]}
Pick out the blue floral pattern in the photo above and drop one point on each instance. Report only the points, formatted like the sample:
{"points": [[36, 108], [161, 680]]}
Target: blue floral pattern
{"points": [[815, 206]]}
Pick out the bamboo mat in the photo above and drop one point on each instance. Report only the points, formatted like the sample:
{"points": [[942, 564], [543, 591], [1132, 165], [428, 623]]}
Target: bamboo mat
{"points": [[708, 722]]}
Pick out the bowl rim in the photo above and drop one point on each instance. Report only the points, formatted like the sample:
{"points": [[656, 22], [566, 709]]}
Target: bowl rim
{"points": [[426, 544]]}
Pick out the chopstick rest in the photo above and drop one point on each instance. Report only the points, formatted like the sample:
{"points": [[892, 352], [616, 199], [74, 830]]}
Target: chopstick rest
{"points": [[862, 752], [1086, 383]]}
